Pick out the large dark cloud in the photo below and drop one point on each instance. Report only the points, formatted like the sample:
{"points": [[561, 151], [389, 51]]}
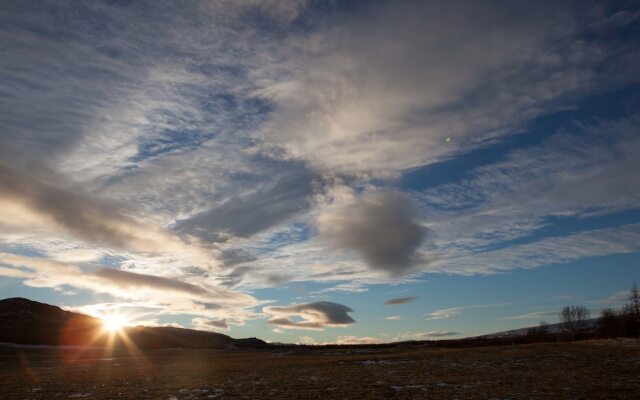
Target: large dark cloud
{"points": [[380, 226], [314, 315]]}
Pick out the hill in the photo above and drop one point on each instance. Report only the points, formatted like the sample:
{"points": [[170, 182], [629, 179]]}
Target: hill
{"points": [[588, 326], [24, 321]]}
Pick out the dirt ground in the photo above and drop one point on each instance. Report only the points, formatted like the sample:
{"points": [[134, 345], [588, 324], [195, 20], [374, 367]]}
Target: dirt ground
{"points": [[583, 370]]}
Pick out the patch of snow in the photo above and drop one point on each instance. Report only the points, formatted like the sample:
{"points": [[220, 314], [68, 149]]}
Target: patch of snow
{"points": [[401, 387], [382, 362]]}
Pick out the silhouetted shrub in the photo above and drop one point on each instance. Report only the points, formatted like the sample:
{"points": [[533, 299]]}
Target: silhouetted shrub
{"points": [[574, 319]]}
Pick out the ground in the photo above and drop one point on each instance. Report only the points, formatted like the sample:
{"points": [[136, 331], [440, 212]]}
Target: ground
{"points": [[582, 370]]}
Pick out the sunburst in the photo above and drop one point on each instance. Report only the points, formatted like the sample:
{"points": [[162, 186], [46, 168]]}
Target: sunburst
{"points": [[113, 323]]}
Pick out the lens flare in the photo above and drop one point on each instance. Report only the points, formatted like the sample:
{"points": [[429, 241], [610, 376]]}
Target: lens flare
{"points": [[113, 323]]}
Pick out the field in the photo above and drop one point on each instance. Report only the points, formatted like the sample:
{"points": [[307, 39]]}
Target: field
{"points": [[581, 370]]}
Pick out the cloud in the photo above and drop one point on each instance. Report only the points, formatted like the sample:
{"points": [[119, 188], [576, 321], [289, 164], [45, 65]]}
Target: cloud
{"points": [[445, 313], [31, 203], [204, 324], [269, 205], [380, 226], [132, 281], [316, 315], [341, 339], [97, 99], [396, 318], [535, 315], [400, 300], [547, 251], [581, 172], [615, 298], [454, 312], [160, 295], [49, 273], [308, 340], [348, 287], [442, 79]]}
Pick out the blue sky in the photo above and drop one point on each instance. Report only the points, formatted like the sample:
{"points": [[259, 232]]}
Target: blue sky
{"points": [[285, 169]]}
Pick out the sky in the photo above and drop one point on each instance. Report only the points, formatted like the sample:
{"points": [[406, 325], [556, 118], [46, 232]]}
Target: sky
{"points": [[321, 171]]}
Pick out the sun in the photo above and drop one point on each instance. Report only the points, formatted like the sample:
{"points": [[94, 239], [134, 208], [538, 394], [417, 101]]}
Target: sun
{"points": [[113, 323]]}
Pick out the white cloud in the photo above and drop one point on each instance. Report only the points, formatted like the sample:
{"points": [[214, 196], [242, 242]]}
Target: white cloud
{"points": [[615, 299], [445, 313], [547, 251], [440, 80], [32, 204], [160, 295], [454, 312], [536, 315], [307, 340], [581, 173]]}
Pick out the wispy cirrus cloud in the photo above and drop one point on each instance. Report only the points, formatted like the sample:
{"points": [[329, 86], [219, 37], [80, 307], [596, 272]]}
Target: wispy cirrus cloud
{"points": [[455, 312], [411, 101], [547, 251], [615, 299], [29, 203], [536, 315], [445, 313], [580, 173]]}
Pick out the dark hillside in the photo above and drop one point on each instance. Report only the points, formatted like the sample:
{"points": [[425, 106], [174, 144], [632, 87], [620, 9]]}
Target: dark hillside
{"points": [[24, 321]]}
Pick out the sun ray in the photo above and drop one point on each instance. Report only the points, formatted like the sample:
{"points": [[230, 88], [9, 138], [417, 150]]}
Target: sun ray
{"points": [[113, 322]]}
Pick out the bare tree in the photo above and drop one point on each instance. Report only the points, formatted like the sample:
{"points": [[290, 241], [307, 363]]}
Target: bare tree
{"points": [[631, 313], [634, 299], [573, 317]]}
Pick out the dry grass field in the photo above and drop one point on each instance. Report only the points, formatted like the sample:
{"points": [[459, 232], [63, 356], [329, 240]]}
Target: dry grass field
{"points": [[581, 370]]}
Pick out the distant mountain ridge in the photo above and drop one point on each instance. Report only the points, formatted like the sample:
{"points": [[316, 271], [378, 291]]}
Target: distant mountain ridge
{"points": [[589, 325], [24, 321]]}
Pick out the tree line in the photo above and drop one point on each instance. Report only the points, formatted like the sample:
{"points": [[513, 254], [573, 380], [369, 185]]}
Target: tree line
{"points": [[576, 323], [622, 323]]}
